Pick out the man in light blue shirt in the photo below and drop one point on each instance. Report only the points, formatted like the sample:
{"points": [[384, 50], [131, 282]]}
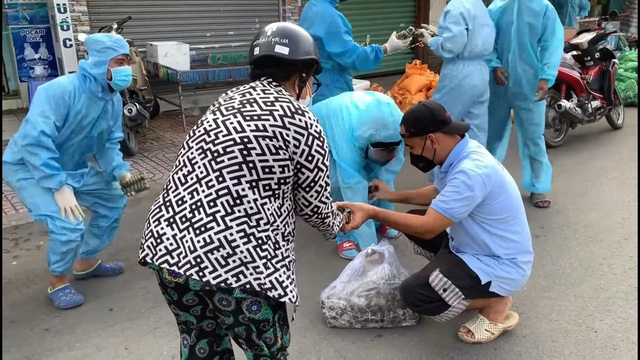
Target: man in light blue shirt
{"points": [[487, 255]]}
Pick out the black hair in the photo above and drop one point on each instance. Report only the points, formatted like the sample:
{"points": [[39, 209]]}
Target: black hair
{"points": [[279, 70]]}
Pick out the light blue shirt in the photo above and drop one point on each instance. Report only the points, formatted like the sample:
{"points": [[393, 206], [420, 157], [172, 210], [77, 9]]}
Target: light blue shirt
{"points": [[491, 233]]}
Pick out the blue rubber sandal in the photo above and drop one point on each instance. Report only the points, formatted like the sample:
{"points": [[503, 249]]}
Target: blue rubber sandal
{"points": [[389, 233], [114, 268], [348, 250], [65, 297]]}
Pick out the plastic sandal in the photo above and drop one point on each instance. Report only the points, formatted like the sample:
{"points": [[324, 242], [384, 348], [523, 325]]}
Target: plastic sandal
{"points": [[101, 269], [482, 331], [65, 297], [348, 249], [540, 201], [389, 233]]}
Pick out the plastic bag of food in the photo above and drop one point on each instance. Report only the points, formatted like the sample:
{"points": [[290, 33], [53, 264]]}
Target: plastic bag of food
{"points": [[366, 294], [416, 83]]}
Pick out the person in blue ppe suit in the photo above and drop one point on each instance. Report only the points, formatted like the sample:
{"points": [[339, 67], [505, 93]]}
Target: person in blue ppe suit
{"points": [[528, 49], [339, 53], [73, 117], [570, 11], [362, 130], [464, 38]]}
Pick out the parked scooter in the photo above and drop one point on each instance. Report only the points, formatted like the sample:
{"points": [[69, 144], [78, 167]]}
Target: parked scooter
{"points": [[139, 104], [585, 90]]}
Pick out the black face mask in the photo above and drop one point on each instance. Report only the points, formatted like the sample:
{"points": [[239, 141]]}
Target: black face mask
{"points": [[423, 163]]}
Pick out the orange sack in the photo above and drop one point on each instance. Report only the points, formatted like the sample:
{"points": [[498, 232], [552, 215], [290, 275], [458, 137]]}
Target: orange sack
{"points": [[417, 84]]}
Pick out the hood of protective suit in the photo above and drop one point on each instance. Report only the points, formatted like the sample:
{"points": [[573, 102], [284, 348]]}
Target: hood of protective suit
{"points": [[373, 117], [101, 48], [355, 119], [521, 6], [333, 3]]}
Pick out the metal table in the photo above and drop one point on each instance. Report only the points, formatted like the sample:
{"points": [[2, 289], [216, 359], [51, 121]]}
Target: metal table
{"points": [[198, 75]]}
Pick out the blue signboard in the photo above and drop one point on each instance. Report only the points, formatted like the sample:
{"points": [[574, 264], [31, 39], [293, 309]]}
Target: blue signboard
{"points": [[22, 14], [32, 40]]}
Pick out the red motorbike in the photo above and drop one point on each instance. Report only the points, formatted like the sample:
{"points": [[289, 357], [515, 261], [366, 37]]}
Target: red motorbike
{"points": [[585, 90]]}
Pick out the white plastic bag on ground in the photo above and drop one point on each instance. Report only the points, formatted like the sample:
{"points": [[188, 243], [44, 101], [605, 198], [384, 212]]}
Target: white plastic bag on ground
{"points": [[365, 295]]}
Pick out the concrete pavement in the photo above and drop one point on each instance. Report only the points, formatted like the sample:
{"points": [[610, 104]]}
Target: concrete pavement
{"points": [[580, 303]]}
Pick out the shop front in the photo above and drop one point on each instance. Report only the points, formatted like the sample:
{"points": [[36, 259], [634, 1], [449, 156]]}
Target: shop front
{"points": [[34, 50], [218, 32]]}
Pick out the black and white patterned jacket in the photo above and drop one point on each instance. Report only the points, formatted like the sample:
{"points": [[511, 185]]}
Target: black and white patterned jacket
{"points": [[227, 212]]}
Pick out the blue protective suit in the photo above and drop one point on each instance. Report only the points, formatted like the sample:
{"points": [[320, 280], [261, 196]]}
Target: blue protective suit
{"points": [[465, 38], [351, 121], [339, 53], [529, 45], [569, 10], [71, 118]]}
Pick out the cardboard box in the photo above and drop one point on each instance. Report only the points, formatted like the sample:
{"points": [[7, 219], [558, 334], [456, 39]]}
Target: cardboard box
{"points": [[173, 54], [569, 33], [587, 23], [360, 85]]}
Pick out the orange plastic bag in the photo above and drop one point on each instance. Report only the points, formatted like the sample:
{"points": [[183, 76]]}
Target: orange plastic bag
{"points": [[417, 84]]}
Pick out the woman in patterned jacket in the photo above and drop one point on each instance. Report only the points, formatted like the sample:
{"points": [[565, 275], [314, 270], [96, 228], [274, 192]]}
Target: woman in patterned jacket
{"points": [[220, 235]]}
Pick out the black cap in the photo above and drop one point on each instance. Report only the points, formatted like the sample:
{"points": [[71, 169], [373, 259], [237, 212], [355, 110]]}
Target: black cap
{"points": [[284, 41], [428, 117]]}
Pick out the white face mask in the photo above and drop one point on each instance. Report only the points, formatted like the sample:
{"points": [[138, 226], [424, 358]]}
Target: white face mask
{"points": [[307, 102]]}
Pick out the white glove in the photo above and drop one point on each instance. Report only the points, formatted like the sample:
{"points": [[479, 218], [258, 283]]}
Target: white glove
{"points": [[125, 178], [394, 45], [431, 30], [68, 204], [424, 36]]}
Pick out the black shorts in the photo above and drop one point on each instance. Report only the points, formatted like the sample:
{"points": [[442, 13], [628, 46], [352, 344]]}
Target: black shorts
{"points": [[443, 288]]}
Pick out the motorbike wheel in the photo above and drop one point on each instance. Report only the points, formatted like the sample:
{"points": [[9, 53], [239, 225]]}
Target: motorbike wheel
{"points": [[129, 145], [556, 127], [615, 118], [155, 109]]}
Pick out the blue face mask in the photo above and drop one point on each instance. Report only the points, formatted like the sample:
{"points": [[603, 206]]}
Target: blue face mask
{"points": [[121, 77]]}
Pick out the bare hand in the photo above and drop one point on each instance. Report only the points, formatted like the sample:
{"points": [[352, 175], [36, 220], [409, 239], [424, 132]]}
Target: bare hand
{"points": [[500, 74], [541, 91], [360, 213], [380, 190]]}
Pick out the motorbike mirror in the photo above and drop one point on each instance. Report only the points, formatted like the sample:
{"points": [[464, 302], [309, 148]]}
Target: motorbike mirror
{"points": [[82, 37]]}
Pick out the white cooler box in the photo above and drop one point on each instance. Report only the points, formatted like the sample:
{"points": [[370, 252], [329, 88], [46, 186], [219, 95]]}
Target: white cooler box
{"points": [[361, 84], [173, 54]]}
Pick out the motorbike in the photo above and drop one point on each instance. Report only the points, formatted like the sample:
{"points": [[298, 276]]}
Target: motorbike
{"points": [[584, 91], [139, 104]]}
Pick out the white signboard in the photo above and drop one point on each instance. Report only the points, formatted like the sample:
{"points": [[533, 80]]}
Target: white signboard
{"points": [[63, 36]]}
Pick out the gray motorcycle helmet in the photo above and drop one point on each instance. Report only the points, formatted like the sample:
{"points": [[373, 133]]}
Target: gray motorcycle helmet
{"points": [[284, 41]]}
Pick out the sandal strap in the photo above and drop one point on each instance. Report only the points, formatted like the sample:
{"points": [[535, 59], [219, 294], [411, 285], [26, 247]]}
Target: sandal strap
{"points": [[484, 330], [347, 245]]}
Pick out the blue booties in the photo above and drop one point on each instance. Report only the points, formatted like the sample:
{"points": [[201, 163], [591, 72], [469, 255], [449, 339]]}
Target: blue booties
{"points": [[101, 269], [65, 297]]}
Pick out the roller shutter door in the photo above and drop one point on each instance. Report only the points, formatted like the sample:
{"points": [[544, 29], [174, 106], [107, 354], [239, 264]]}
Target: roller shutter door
{"points": [[378, 19]]}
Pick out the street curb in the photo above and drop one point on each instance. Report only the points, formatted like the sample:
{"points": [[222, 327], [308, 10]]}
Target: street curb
{"points": [[16, 220]]}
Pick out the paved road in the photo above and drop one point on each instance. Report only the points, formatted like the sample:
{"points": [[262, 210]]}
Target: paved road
{"points": [[581, 301]]}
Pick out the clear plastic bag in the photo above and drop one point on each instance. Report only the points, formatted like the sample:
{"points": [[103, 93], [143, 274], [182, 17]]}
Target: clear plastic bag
{"points": [[366, 295]]}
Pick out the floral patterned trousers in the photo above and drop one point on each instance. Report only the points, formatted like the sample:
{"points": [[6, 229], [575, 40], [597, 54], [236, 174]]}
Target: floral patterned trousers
{"points": [[210, 317]]}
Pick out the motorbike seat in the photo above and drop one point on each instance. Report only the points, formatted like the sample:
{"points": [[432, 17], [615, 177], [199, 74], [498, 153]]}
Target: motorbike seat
{"points": [[570, 66]]}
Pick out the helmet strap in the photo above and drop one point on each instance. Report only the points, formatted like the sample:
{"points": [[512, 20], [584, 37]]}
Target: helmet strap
{"points": [[302, 83], [303, 79]]}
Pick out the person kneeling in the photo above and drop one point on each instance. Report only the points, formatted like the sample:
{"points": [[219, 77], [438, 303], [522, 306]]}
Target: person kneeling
{"points": [[486, 256]]}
